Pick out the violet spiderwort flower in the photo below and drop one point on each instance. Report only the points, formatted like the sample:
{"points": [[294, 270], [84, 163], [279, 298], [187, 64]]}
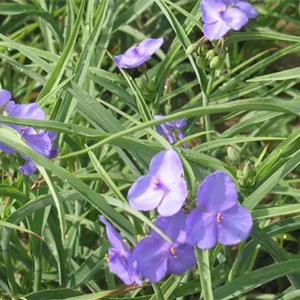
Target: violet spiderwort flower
{"points": [[219, 217], [220, 16], [156, 258], [137, 55], [171, 130], [40, 141], [119, 256], [163, 187]]}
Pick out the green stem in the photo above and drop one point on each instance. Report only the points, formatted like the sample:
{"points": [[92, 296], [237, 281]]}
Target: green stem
{"points": [[204, 272]]}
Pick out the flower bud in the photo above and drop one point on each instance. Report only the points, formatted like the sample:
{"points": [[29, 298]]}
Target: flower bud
{"points": [[210, 54], [232, 154], [192, 48], [248, 170], [214, 62]]}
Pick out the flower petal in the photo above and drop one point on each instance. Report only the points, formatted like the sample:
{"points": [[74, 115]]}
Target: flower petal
{"points": [[217, 192], [174, 198], [171, 226], [166, 166], [150, 255], [183, 260], [211, 10], [123, 268], [5, 96], [235, 18], [28, 168], [150, 46], [144, 194], [201, 229], [235, 226], [136, 56], [6, 149], [247, 8], [40, 143], [216, 30], [114, 237]]}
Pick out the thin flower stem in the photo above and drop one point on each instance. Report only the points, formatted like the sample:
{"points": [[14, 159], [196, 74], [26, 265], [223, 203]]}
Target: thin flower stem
{"points": [[204, 273]]}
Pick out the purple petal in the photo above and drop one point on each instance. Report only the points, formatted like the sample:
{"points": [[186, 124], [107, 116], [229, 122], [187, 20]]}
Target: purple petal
{"points": [[247, 8], [166, 166], [151, 256], [171, 226], [6, 149], [217, 192], [235, 18], [211, 10], [28, 168], [180, 123], [30, 111], [114, 237], [27, 111], [215, 31], [122, 266], [201, 229], [235, 226], [183, 259], [136, 56], [5, 96], [40, 143], [174, 198], [144, 194]]}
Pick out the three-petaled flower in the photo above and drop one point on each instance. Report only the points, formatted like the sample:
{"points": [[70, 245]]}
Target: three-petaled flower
{"points": [[163, 187], [41, 141], [119, 256], [220, 16], [171, 130], [156, 258], [219, 217], [136, 56]]}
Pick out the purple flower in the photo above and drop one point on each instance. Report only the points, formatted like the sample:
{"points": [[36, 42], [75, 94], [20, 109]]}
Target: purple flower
{"points": [[163, 187], [219, 217], [171, 130], [119, 257], [136, 56], [220, 16], [156, 258], [40, 141]]}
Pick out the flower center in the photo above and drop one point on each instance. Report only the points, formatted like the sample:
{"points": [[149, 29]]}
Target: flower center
{"points": [[158, 184], [173, 251], [219, 218]]}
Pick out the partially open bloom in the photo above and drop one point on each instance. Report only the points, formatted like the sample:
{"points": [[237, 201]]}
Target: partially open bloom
{"points": [[219, 217], [119, 256], [220, 16], [156, 258], [136, 56], [163, 187], [171, 130], [40, 141]]}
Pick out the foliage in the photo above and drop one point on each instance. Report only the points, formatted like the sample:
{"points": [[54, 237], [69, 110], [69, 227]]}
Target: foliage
{"points": [[242, 112]]}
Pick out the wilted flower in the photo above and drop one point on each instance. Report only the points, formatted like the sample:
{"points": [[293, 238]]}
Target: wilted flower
{"points": [[156, 258], [119, 256], [171, 130], [136, 56], [219, 217], [220, 16], [163, 187], [40, 141]]}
